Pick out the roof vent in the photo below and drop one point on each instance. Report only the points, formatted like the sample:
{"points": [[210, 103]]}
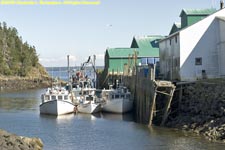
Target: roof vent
{"points": [[221, 4]]}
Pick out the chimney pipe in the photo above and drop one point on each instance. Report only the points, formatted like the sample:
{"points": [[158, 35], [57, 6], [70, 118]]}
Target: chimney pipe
{"points": [[221, 4]]}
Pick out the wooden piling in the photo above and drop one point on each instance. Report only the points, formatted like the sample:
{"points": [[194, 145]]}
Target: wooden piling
{"points": [[167, 107], [145, 91], [180, 97], [152, 108]]}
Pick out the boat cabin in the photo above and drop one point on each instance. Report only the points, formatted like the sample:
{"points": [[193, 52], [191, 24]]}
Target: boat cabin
{"points": [[55, 94], [119, 93]]}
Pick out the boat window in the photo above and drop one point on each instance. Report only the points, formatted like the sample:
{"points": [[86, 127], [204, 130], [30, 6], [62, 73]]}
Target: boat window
{"points": [[112, 96], [47, 97], [53, 97], [89, 98], [98, 94], [81, 85], [60, 97], [65, 97], [76, 93], [117, 96]]}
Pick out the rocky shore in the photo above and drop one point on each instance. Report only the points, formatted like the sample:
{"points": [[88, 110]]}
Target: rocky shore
{"points": [[19, 83], [37, 77], [202, 110], [10, 141]]}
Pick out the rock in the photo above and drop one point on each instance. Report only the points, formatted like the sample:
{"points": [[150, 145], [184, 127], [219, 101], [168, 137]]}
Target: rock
{"points": [[196, 131], [10, 141], [35, 142], [202, 109], [185, 126]]}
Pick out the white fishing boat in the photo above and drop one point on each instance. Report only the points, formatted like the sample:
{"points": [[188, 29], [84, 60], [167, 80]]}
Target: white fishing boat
{"points": [[89, 102], [117, 100], [57, 101]]}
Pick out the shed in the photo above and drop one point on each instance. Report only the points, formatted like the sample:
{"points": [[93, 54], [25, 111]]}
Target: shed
{"points": [[115, 58], [148, 47]]}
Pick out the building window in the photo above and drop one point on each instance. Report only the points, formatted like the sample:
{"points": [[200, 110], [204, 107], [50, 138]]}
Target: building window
{"points": [[176, 39], [170, 41], [198, 61]]}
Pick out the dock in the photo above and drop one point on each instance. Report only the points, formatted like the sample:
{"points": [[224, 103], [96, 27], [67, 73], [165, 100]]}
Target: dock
{"points": [[152, 98]]}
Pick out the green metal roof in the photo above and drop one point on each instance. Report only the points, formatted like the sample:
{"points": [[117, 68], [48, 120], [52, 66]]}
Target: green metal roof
{"points": [[177, 24], [176, 27], [197, 11], [148, 45], [120, 52]]}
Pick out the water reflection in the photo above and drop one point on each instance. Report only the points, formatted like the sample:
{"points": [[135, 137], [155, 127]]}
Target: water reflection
{"points": [[91, 117], [18, 104], [118, 117], [177, 140], [106, 116], [20, 100], [88, 117], [58, 119]]}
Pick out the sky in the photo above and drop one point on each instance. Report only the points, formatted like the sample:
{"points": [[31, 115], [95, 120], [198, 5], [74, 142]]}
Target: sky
{"points": [[86, 30]]}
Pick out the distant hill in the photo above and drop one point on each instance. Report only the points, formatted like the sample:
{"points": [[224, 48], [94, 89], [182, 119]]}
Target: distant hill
{"points": [[17, 58]]}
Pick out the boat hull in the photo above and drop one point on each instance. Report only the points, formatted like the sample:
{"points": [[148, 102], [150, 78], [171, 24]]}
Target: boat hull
{"points": [[56, 107], [118, 106], [89, 108]]}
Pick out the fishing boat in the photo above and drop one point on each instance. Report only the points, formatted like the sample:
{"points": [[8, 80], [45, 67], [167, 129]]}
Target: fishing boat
{"points": [[57, 101], [117, 100], [89, 103]]}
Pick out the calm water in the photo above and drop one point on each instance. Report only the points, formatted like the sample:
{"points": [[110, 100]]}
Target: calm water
{"points": [[62, 72], [19, 113]]}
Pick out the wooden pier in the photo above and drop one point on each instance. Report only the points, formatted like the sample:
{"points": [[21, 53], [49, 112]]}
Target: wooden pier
{"points": [[152, 98]]}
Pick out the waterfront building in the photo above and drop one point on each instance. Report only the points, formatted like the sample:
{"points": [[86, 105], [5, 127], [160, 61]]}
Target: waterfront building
{"points": [[116, 58], [197, 50], [148, 48], [144, 50]]}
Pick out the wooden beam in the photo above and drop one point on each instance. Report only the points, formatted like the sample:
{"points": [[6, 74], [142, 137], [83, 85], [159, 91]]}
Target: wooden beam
{"points": [[163, 93], [167, 107], [152, 108]]}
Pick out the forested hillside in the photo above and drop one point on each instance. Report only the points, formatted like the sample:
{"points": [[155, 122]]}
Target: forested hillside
{"points": [[17, 58]]}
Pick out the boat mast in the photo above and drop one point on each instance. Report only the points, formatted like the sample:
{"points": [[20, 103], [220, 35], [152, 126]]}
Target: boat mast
{"points": [[68, 67], [94, 58]]}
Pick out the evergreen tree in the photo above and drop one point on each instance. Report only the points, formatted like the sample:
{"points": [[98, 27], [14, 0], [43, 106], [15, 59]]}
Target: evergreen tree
{"points": [[16, 57]]}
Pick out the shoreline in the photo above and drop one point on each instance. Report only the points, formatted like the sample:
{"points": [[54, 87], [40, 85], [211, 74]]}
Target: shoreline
{"points": [[23, 83]]}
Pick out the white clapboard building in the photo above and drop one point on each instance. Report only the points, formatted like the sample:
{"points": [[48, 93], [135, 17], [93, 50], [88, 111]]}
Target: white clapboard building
{"points": [[196, 51]]}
